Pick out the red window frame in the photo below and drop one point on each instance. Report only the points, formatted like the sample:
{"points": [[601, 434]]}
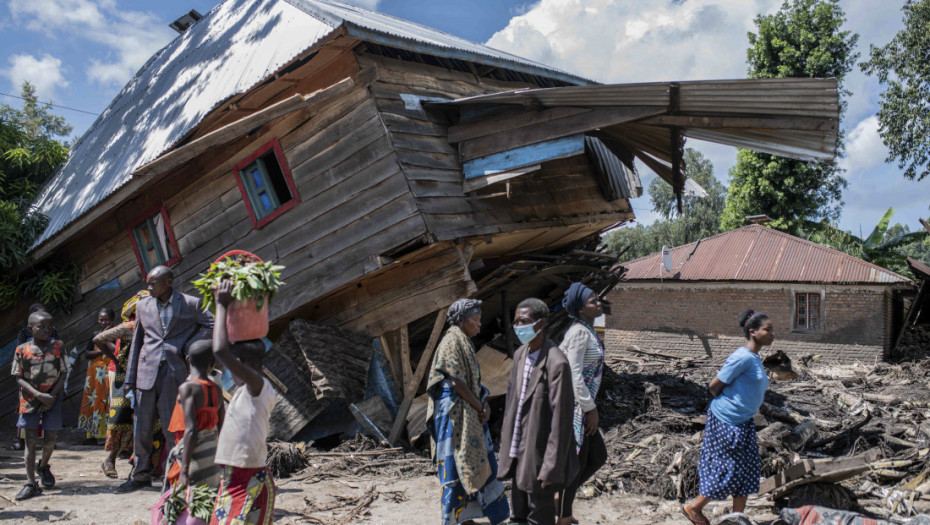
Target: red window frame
{"points": [[272, 145], [158, 208]]}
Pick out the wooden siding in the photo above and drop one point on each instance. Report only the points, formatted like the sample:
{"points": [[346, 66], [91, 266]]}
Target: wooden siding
{"points": [[563, 194], [355, 206]]}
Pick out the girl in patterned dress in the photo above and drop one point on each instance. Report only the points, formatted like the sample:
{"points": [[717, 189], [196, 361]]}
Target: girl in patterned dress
{"points": [[95, 403], [730, 464]]}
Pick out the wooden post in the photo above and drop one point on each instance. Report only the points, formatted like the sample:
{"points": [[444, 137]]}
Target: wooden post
{"points": [[405, 356], [508, 324], [410, 389]]}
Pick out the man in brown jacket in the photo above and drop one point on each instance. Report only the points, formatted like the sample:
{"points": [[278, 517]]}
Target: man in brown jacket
{"points": [[537, 441]]}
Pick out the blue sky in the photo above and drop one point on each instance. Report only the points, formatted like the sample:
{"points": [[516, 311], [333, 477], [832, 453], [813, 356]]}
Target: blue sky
{"points": [[80, 53]]}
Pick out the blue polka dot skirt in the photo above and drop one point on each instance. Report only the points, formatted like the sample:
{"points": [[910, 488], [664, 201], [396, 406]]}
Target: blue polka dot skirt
{"points": [[730, 464]]}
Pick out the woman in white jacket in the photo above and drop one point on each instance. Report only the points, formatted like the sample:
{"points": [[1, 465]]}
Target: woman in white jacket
{"points": [[585, 352]]}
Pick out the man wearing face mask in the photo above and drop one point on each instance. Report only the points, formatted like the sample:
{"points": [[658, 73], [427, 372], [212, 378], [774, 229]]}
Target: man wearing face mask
{"points": [[537, 444]]}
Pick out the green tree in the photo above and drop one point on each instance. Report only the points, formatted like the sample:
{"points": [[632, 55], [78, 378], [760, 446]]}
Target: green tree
{"points": [[887, 246], [30, 153], [700, 217], [803, 39], [902, 67]]}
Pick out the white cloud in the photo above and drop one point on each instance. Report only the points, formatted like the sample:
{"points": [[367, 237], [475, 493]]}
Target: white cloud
{"points": [[44, 73], [635, 41], [131, 36], [864, 149]]}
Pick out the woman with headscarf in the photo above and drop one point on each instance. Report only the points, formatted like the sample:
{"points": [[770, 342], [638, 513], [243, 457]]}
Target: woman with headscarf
{"points": [[457, 418], [115, 341], [585, 352], [95, 402]]}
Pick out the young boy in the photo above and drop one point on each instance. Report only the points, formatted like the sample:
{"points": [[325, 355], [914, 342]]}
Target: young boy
{"points": [[537, 438], [39, 369], [247, 491], [198, 416]]}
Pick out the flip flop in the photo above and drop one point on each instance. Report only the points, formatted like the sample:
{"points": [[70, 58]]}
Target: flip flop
{"points": [[692, 520], [109, 472]]}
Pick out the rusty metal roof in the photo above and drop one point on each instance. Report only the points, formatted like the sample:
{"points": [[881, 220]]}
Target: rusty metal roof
{"points": [[761, 254]]}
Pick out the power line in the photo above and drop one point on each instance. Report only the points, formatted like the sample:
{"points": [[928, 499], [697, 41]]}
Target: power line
{"points": [[55, 105]]}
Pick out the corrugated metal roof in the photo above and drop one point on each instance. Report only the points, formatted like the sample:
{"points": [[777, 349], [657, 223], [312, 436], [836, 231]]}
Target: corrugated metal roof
{"points": [[237, 45], [793, 117], [396, 32], [758, 253]]}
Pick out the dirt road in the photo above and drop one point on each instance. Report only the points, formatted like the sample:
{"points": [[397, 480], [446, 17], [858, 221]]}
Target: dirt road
{"points": [[84, 496]]}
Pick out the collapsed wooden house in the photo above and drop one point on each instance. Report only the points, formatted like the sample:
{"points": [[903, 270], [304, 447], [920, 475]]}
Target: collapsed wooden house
{"points": [[385, 164]]}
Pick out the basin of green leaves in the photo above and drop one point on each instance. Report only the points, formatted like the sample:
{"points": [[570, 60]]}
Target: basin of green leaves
{"points": [[252, 280]]}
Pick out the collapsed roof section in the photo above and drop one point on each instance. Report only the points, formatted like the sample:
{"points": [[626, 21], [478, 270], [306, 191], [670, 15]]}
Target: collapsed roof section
{"points": [[795, 118]]}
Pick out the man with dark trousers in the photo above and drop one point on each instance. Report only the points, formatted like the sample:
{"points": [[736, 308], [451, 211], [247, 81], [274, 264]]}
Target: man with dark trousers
{"points": [[167, 321], [537, 438]]}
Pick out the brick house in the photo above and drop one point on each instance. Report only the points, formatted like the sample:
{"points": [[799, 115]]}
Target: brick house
{"points": [[822, 302]]}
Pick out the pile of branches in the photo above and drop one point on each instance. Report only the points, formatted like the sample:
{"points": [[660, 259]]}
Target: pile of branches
{"points": [[360, 457], [652, 409]]}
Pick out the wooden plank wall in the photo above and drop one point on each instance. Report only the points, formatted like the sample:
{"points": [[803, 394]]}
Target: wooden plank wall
{"points": [[355, 205], [563, 191]]}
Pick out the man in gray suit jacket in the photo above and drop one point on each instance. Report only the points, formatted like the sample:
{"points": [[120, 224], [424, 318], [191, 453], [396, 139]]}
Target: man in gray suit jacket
{"points": [[166, 323]]}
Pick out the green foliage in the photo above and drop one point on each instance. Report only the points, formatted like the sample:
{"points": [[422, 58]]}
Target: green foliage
{"points": [[202, 498], [700, 217], [902, 67], [252, 280], [30, 153], [803, 39], [885, 246]]}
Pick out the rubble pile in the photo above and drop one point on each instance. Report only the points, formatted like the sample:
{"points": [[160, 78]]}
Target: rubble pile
{"points": [[852, 437], [360, 457]]}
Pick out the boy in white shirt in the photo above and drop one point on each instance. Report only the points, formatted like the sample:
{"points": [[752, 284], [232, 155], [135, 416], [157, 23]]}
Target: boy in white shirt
{"points": [[247, 491]]}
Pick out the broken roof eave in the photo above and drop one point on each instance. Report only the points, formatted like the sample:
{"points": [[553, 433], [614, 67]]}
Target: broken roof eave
{"points": [[412, 45]]}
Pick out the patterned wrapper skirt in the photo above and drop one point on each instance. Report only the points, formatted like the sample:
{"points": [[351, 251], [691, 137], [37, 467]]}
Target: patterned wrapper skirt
{"points": [[119, 420], [95, 403], [457, 505], [246, 497], [730, 463]]}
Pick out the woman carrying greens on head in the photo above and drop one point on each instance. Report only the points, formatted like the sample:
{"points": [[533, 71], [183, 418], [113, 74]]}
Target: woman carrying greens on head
{"points": [[585, 352], [730, 464], [457, 418]]}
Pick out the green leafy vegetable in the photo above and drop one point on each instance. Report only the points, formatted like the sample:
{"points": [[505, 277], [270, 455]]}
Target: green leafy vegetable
{"points": [[252, 280]]}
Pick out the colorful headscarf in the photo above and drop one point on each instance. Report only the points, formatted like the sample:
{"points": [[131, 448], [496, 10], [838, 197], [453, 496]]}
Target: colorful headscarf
{"points": [[129, 307], [575, 297], [463, 309]]}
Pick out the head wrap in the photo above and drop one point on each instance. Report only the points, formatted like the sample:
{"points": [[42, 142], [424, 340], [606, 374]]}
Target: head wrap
{"points": [[575, 297], [462, 309], [129, 307]]}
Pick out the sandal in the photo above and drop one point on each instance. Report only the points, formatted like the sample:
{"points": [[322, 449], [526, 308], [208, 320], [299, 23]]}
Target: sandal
{"points": [[29, 490], [109, 472], [692, 520]]}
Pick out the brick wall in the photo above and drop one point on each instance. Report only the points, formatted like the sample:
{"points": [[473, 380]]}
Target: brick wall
{"points": [[701, 320]]}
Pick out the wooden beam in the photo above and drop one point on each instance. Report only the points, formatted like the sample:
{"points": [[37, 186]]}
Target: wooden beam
{"points": [[707, 122], [554, 129], [235, 129], [405, 354], [477, 183], [410, 388], [508, 120], [675, 146]]}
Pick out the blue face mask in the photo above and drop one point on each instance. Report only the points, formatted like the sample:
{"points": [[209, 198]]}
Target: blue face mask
{"points": [[525, 333]]}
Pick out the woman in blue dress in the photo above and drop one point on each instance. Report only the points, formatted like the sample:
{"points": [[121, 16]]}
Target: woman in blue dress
{"points": [[457, 418], [730, 464]]}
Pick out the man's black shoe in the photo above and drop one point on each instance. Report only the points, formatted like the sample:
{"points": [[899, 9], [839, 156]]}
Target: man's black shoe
{"points": [[29, 490], [132, 485]]}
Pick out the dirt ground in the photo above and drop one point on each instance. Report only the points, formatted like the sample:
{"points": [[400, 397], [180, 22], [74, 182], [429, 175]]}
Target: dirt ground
{"points": [[84, 496]]}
